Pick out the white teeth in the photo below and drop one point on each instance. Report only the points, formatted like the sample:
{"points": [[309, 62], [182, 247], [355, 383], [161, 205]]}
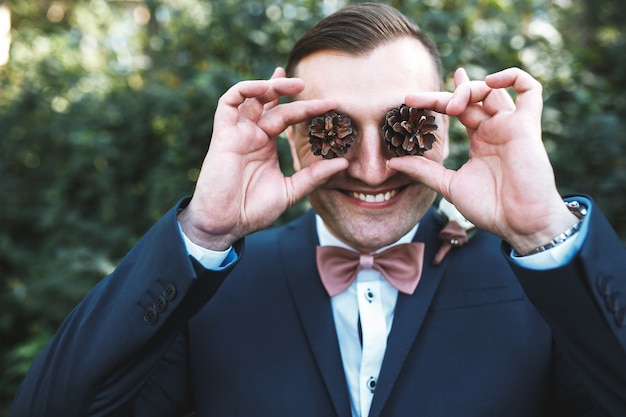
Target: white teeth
{"points": [[375, 198]]}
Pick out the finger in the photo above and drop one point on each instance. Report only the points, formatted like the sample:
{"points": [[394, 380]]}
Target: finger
{"points": [[465, 103], [493, 100], [277, 87], [279, 72], [498, 100], [276, 120], [529, 89], [263, 90], [474, 102], [460, 77], [471, 117], [281, 86], [520, 80], [465, 94], [306, 180], [437, 101], [240, 92], [430, 173]]}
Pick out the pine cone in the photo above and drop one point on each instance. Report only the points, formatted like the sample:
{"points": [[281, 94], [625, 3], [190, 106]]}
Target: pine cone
{"points": [[330, 135], [407, 130]]}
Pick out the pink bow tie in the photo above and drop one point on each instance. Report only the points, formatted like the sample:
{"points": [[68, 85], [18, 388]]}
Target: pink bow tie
{"points": [[401, 265]]}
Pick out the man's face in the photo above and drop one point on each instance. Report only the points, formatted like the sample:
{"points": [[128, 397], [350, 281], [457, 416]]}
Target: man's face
{"points": [[368, 206]]}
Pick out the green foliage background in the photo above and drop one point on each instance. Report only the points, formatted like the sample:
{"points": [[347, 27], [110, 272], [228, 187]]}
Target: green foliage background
{"points": [[106, 113]]}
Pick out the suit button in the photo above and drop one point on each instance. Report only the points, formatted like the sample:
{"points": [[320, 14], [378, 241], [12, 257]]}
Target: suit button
{"points": [[150, 315], [160, 304], [620, 317], [604, 284], [612, 302], [169, 292]]}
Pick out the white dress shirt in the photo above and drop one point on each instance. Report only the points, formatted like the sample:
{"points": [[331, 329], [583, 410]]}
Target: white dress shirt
{"points": [[372, 300]]}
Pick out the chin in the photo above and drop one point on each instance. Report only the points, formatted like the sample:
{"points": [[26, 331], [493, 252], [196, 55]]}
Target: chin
{"points": [[369, 237], [368, 229]]}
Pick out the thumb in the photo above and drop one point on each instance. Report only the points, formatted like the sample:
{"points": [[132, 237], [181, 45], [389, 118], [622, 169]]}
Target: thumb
{"points": [[306, 180], [430, 173]]}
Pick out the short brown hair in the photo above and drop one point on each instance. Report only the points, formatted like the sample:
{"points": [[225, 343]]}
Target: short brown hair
{"points": [[358, 29]]}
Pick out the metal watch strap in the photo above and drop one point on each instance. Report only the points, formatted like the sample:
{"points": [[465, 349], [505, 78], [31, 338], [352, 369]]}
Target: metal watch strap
{"points": [[577, 210]]}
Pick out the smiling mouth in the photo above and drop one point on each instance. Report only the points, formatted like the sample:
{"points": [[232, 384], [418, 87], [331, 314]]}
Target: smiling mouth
{"points": [[374, 198]]}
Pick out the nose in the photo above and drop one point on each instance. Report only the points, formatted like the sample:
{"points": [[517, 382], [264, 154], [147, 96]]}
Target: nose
{"points": [[368, 157]]}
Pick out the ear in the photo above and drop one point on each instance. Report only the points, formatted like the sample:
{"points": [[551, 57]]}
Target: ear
{"points": [[291, 132]]}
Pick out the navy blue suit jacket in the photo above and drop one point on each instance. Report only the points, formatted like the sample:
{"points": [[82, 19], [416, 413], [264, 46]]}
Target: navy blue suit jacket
{"points": [[162, 336], [584, 302]]}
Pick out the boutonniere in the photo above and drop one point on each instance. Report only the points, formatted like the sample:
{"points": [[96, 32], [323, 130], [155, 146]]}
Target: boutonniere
{"points": [[457, 231]]}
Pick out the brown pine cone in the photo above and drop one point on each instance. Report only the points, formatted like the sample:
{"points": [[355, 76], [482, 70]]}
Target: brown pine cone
{"points": [[407, 130], [330, 135]]}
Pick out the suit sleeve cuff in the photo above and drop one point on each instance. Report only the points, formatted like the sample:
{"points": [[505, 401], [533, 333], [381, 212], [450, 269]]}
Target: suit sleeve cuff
{"points": [[559, 255], [209, 259]]}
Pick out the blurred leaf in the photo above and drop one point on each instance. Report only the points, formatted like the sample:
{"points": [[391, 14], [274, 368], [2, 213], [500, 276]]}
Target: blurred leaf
{"points": [[106, 114]]}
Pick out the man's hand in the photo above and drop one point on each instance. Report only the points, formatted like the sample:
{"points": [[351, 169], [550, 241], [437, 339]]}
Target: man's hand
{"points": [[507, 186], [241, 188]]}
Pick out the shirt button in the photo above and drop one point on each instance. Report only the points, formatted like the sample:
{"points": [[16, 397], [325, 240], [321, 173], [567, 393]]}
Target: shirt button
{"points": [[371, 384], [369, 295]]}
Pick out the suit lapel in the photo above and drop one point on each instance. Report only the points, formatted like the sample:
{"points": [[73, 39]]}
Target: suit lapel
{"points": [[409, 314], [313, 306]]}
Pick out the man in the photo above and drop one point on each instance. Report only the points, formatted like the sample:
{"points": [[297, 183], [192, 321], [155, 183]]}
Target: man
{"points": [[188, 321]]}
